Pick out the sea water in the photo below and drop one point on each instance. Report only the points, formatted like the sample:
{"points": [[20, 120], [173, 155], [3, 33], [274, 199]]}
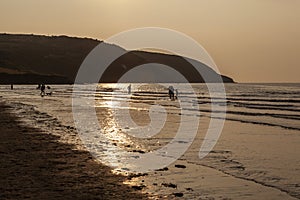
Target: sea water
{"points": [[259, 141]]}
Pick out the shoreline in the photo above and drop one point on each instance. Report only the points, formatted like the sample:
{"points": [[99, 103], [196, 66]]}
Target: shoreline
{"points": [[36, 165], [232, 170]]}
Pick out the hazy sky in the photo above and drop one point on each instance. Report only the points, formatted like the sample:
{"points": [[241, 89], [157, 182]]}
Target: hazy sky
{"points": [[250, 40]]}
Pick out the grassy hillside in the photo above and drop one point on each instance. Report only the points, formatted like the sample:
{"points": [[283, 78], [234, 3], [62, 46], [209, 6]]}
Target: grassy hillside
{"points": [[56, 59]]}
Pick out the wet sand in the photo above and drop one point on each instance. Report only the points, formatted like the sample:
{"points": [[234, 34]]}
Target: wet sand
{"points": [[34, 164], [50, 163]]}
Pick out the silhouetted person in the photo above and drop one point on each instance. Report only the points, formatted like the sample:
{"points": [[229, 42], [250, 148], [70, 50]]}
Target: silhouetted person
{"points": [[129, 89], [43, 87], [176, 94], [11, 86], [49, 91], [171, 92]]}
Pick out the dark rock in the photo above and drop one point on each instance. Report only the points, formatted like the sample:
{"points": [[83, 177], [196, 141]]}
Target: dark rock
{"points": [[138, 151], [163, 169], [180, 166], [171, 185], [178, 194], [138, 187]]}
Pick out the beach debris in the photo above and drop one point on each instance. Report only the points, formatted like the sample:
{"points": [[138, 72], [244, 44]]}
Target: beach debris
{"points": [[180, 166]]}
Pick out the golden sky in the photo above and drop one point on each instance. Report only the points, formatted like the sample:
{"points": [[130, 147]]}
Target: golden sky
{"points": [[250, 40]]}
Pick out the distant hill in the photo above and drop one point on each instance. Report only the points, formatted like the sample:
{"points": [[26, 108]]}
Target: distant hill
{"points": [[8, 76], [56, 59]]}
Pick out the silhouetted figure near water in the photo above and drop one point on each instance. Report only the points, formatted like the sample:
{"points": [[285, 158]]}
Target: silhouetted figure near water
{"points": [[129, 89], [43, 87], [11, 86], [49, 91], [171, 92], [176, 94]]}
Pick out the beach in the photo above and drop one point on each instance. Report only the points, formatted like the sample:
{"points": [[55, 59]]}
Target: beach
{"points": [[35, 164], [256, 156]]}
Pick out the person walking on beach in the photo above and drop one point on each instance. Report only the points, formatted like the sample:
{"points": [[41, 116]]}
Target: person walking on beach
{"points": [[129, 89], [171, 92], [48, 91], [176, 94], [43, 87]]}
